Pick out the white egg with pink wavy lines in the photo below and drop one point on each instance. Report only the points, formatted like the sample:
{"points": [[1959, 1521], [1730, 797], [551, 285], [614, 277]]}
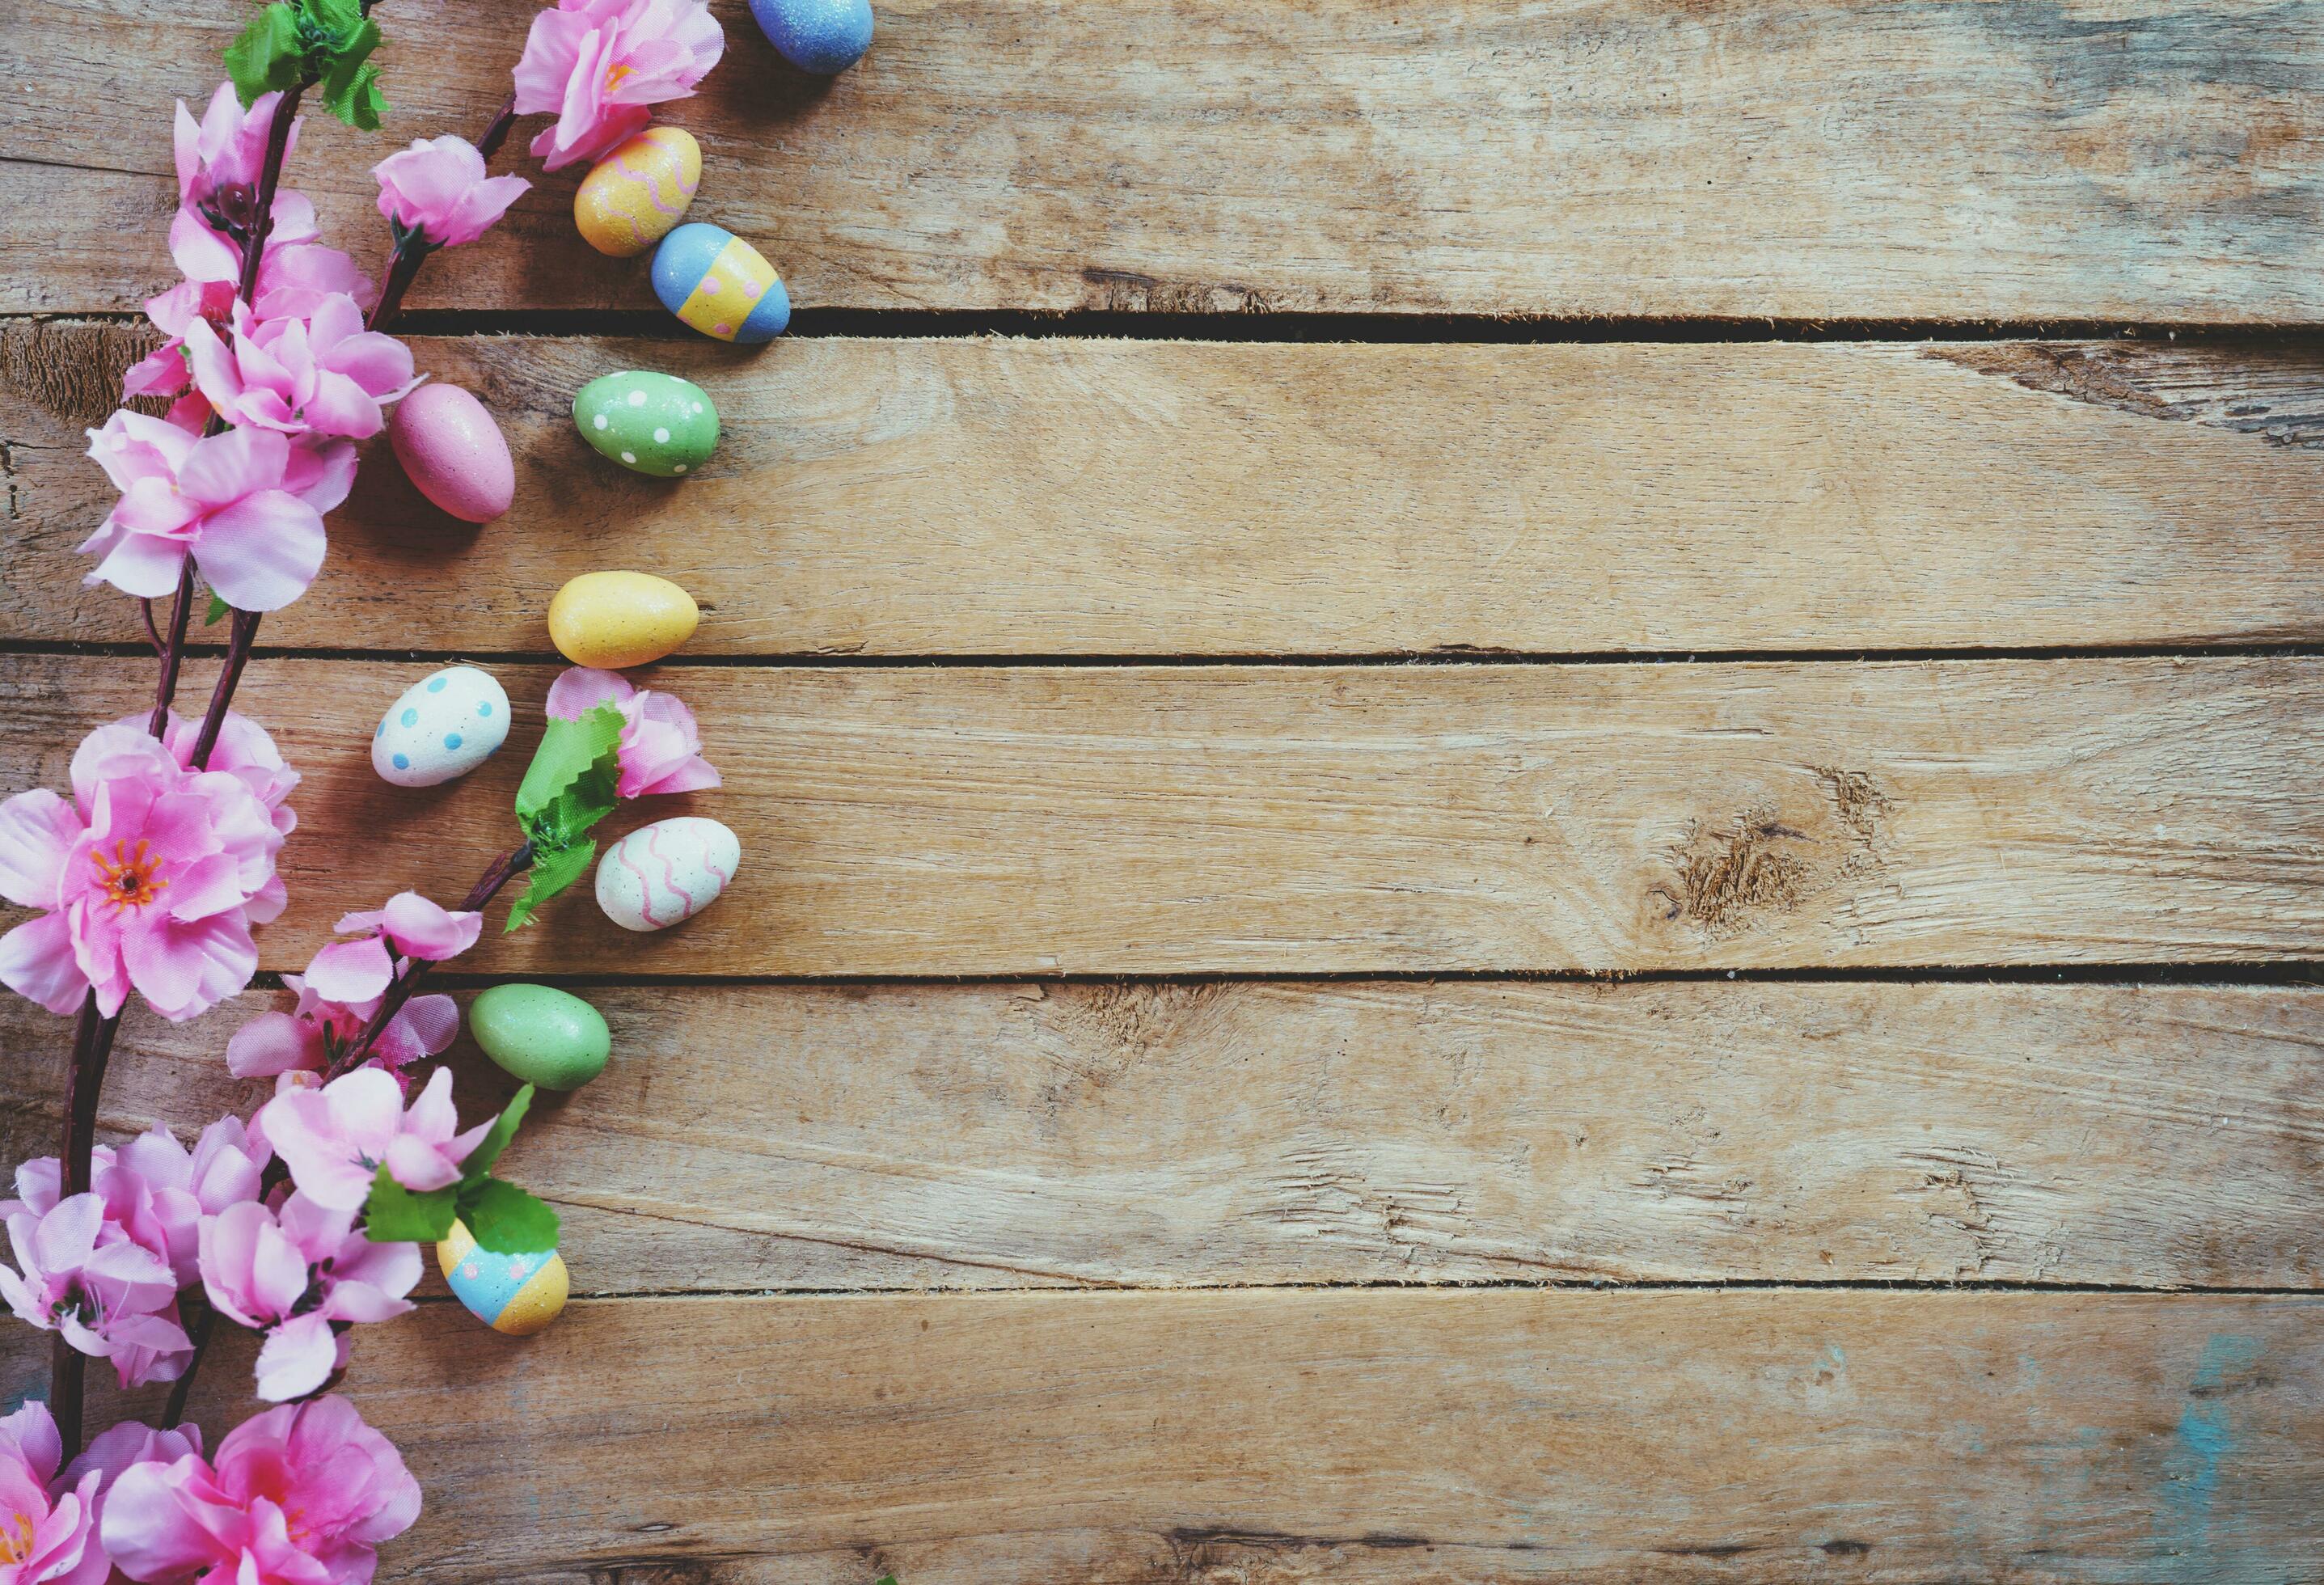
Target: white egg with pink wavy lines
{"points": [[665, 873]]}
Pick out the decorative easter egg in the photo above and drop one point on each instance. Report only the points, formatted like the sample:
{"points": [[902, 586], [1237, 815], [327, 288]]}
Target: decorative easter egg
{"points": [[650, 423], [666, 872], [444, 725], [717, 282], [618, 619], [452, 452], [515, 1293], [542, 1035], [820, 36], [638, 192]]}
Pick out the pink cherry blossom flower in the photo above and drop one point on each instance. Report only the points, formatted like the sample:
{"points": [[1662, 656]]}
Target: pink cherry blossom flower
{"points": [[437, 188], [149, 879], [300, 1494], [661, 747], [296, 277], [596, 64], [324, 374], [336, 1138], [309, 1038], [155, 1191], [227, 149], [110, 1452], [48, 1525], [291, 1274], [409, 926], [248, 503], [79, 1274], [243, 750]]}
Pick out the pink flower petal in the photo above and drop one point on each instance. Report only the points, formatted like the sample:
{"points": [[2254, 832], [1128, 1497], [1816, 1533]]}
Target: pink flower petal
{"points": [[261, 552], [297, 1357], [273, 1043], [351, 970], [580, 689], [37, 962], [37, 830]]}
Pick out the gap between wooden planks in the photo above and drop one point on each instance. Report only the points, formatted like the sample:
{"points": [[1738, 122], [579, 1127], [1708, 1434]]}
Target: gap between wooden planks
{"points": [[1376, 1436], [2078, 159], [749, 1137], [1285, 820], [1055, 497]]}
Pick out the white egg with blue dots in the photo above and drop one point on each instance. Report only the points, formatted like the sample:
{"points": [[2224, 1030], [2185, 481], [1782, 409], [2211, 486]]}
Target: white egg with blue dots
{"points": [[444, 725]]}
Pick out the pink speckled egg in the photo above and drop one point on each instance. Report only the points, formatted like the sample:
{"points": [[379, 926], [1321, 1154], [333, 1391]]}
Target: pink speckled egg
{"points": [[452, 452]]}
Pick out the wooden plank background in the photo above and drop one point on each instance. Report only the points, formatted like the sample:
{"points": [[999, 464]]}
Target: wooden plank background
{"points": [[1846, 874]]}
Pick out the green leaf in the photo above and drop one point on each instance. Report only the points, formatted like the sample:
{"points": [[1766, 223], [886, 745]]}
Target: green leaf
{"points": [[569, 750], [218, 607], [506, 1220], [351, 88], [551, 875], [488, 1149], [334, 19], [268, 56], [395, 1215]]}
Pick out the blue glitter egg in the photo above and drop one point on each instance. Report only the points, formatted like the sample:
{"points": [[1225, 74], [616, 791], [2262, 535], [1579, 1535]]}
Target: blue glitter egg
{"points": [[822, 36]]}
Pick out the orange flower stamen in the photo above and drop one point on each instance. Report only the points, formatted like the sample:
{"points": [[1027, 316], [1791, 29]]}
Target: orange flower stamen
{"points": [[129, 880]]}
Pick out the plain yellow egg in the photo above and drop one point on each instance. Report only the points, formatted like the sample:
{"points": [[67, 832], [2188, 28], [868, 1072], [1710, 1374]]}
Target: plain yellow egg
{"points": [[619, 619]]}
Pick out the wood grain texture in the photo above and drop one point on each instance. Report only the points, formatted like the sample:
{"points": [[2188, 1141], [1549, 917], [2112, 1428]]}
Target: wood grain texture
{"points": [[2154, 159], [1068, 497], [1183, 1439], [1018, 820], [754, 1138]]}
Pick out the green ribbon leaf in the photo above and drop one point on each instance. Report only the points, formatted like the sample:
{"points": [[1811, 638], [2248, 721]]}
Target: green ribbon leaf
{"points": [[504, 1130], [395, 1215], [549, 877], [350, 87], [505, 1219], [570, 750], [218, 607], [269, 56]]}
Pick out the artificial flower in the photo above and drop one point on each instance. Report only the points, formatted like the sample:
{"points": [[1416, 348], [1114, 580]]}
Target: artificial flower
{"points": [[660, 749], [248, 503], [156, 1192], [77, 1273], [48, 1525], [323, 375], [309, 1039], [336, 1138], [220, 159], [597, 64], [437, 188], [300, 1494], [151, 879], [244, 751], [409, 926], [291, 1274]]}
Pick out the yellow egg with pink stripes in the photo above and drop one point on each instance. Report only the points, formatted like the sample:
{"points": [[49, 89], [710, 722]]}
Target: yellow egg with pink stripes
{"points": [[513, 1294], [638, 192], [718, 283]]}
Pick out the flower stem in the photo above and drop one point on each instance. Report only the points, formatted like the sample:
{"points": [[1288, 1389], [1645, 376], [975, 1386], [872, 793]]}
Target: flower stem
{"points": [[92, 1049], [93, 1038], [411, 250]]}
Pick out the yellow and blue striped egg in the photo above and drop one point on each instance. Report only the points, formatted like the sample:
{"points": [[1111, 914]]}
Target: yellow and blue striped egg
{"points": [[638, 192], [719, 284], [513, 1294]]}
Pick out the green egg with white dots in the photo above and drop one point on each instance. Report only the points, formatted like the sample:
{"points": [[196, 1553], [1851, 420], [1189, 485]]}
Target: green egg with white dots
{"points": [[650, 423]]}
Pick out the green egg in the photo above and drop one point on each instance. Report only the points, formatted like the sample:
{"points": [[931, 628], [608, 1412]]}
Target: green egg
{"points": [[542, 1035], [650, 423]]}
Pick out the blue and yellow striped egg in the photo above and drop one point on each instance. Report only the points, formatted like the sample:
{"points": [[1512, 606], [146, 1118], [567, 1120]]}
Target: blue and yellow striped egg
{"points": [[514, 1294], [638, 192], [718, 283]]}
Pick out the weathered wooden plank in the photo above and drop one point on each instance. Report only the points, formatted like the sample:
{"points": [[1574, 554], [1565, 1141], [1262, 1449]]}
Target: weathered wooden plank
{"points": [[1052, 497], [749, 1137], [1012, 820], [1379, 1436], [2153, 160]]}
